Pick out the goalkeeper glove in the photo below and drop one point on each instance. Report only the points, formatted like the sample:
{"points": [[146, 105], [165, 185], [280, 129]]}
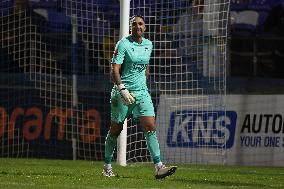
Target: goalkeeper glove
{"points": [[127, 97]]}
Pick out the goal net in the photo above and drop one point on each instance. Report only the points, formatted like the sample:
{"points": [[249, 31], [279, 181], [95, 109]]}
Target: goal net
{"points": [[55, 81], [187, 79], [52, 102]]}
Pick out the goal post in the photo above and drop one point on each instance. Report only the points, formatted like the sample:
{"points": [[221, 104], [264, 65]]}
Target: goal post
{"points": [[124, 30]]}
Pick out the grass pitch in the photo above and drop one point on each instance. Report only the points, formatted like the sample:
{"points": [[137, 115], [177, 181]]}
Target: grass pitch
{"points": [[63, 174]]}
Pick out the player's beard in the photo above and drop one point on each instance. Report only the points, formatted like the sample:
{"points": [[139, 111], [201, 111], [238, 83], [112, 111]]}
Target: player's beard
{"points": [[137, 34]]}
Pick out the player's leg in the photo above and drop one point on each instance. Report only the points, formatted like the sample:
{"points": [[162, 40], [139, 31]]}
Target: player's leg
{"points": [[118, 115], [148, 123], [110, 144], [145, 111], [146, 114]]}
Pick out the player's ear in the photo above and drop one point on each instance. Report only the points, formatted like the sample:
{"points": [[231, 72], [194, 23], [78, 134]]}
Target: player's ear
{"points": [[130, 26]]}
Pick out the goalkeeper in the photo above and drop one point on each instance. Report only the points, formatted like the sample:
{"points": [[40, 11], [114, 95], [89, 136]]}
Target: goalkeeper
{"points": [[130, 95]]}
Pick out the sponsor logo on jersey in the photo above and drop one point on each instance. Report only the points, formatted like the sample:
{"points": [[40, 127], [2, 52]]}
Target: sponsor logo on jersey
{"points": [[202, 129], [139, 67]]}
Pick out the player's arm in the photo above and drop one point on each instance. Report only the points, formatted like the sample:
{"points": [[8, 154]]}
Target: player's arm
{"points": [[115, 73], [117, 61], [125, 94], [147, 72]]}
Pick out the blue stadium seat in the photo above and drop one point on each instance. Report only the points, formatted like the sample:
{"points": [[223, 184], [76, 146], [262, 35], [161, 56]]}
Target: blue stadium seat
{"points": [[237, 6], [58, 21], [245, 22], [104, 2], [5, 6], [264, 5], [262, 19], [45, 3], [261, 5], [248, 22], [144, 2]]}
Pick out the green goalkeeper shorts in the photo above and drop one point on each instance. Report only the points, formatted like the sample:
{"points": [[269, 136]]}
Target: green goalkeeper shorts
{"points": [[143, 106]]}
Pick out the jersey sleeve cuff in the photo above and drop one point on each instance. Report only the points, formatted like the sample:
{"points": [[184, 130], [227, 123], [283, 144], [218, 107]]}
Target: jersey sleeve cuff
{"points": [[120, 87]]}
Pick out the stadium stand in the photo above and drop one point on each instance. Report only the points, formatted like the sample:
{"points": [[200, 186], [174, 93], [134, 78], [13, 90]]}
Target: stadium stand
{"points": [[252, 15], [98, 17], [255, 26]]}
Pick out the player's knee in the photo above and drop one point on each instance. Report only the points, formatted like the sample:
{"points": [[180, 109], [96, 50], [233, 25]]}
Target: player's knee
{"points": [[115, 132], [149, 127], [148, 123], [116, 128]]}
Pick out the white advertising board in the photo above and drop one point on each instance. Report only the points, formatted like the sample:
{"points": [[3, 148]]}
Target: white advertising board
{"points": [[250, 132]]}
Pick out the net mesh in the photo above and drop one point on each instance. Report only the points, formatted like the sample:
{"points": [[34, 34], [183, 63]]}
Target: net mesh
{"points": [[187, 79], [55, 82]]}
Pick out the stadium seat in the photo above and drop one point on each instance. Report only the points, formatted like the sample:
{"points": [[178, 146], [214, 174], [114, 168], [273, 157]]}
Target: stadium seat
{"points": [[234, 17], [261, 5], [103, 2], [5, 6], [45, 3], [245, 22], [265, 4], [248, 17], [262, 20], [238, 6], [58, 21], [258, 5]]}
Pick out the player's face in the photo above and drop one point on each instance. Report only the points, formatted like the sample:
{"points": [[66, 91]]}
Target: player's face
{"points": [[137, 27]]}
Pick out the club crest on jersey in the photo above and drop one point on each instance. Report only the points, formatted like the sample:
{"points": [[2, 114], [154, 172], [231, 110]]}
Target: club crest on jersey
{"points": [[146, 49]]}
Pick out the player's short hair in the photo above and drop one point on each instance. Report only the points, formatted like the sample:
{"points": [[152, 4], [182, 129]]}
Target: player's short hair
{"points": [[137, 15]]}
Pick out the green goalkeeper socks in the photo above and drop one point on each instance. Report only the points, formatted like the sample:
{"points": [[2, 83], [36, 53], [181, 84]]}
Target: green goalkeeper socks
{"points": [[152, 143], [153, 146], [110, 145]]}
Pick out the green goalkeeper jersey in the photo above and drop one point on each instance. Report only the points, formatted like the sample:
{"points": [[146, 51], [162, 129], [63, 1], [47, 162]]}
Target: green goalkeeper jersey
{"points": [[134, 58]]}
